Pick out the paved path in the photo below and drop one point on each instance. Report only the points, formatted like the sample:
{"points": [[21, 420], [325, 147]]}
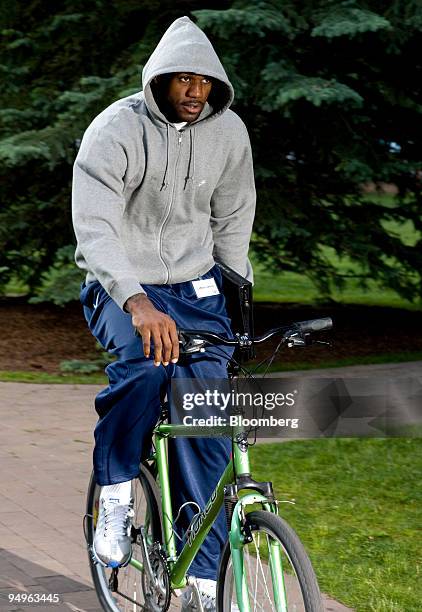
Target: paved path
{"points": [[45, 457], [382, 370]]}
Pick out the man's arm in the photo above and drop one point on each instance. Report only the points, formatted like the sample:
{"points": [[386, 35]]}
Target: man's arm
{"points": [[156, 326], [233, 207], [98, 204]]}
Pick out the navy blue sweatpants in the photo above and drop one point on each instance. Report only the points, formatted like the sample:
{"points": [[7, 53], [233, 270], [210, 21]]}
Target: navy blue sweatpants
{"points": [[129, 407]]}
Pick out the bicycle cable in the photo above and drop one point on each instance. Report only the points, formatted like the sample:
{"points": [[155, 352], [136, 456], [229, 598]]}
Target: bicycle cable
{"points": [[188, 503], [249, 376]]}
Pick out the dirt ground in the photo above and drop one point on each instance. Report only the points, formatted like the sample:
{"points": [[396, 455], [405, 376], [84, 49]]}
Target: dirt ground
{"points": [[38, 337]]}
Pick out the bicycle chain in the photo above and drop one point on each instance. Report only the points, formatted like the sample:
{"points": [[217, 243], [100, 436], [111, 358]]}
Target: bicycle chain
{"points": [[154, 593]]}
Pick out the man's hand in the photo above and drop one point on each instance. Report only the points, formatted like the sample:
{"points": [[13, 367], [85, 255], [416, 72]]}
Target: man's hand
{"points": [[156, 326]]}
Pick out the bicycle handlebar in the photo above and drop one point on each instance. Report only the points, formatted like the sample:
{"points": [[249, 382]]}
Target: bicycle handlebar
{"points": [[301, 327]]}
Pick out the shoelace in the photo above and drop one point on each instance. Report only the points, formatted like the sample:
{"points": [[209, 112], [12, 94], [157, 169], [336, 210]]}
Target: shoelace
{"points": [[208, 601], [116, 519], [206, 593]]}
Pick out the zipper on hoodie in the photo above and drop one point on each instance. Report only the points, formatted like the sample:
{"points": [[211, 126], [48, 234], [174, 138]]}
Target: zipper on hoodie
{"points": [[169, 207]]}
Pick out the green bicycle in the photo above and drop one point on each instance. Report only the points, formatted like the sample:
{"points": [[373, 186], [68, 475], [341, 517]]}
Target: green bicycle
{"points": [[263, 564]]}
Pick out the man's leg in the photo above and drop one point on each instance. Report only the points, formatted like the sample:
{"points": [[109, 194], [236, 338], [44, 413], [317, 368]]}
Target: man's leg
{"points": [[196, 464], [129, 407]]}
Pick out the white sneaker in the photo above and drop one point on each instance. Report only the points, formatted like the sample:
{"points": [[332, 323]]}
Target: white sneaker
{"points": [[207, 593], [112, 544]]}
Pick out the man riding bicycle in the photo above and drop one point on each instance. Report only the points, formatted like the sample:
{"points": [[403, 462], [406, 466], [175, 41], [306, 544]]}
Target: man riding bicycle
{"points": [[163, 188]]}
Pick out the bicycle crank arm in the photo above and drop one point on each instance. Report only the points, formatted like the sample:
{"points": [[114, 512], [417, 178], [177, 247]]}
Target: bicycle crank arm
{"points": [[198, 603], [145, 556]]}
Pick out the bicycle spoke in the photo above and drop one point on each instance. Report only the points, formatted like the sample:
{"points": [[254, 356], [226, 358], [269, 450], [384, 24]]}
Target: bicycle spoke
{"points": [[297, 589], [256, 578], [128, 595]]}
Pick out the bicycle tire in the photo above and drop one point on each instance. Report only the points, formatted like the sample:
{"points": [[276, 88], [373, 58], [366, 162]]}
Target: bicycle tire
{"points": [[146, 504], [301, 586]]}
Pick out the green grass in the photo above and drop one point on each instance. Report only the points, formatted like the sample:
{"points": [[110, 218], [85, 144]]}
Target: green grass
{"points": [[271, 286], [45, 378], [101, 379], [285, 287], [403, 357], [357, 510]]}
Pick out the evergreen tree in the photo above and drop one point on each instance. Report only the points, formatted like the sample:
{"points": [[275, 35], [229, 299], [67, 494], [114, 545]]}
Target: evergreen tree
{"points": [[61, 64], [330, 92]]}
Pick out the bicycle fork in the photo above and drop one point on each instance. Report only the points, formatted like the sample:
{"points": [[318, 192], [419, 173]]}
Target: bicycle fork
{"points": [[239, 535], [239, 531]]}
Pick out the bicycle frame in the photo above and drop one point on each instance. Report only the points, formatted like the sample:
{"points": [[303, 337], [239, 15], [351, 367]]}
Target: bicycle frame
{"points": [[239, 465]]}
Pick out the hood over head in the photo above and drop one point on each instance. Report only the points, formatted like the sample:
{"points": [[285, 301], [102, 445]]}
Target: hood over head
{"points": [[185, 48]]}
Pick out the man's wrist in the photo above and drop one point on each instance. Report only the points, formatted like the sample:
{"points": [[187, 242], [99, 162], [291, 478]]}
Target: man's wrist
{"points": [[139, 299]]}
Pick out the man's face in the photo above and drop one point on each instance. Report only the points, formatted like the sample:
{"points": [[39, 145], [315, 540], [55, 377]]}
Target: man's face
{"points": [[187, 94]]}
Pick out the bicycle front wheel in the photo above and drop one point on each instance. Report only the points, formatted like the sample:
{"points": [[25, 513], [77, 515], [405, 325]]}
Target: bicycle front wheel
{"points": [[295, 589], [123, 590]]}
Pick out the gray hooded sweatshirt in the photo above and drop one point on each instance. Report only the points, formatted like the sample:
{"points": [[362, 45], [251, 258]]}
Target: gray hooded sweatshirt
{"points": [[154, 205]]}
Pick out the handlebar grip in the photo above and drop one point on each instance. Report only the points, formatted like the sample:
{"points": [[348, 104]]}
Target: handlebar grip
{"points": [[314, 325]]}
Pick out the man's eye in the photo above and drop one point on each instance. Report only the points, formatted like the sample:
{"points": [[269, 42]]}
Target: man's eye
{"points": [[185, 79]]}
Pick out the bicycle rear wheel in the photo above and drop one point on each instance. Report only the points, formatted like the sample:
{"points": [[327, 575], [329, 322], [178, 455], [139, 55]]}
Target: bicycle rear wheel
{"points": [[300, 584], [123, 591]]}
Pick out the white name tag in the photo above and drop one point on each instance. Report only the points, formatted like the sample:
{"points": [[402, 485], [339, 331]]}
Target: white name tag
{"points": [[205, 287]]}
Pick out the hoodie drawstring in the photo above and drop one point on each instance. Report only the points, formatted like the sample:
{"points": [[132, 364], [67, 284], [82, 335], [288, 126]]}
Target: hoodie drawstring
{"points": [[164, 183], [191, 162]]}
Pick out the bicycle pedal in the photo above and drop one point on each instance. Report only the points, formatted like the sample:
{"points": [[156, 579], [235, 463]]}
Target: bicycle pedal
{"points": [[92, 555], [113, 583]]}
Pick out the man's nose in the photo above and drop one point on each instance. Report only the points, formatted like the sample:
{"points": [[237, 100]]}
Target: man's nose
{"points": [[194, 90]]}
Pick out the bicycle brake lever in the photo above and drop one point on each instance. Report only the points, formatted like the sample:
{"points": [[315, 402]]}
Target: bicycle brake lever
{"points": [[298, 340], [304, 340], [193, 345]]}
